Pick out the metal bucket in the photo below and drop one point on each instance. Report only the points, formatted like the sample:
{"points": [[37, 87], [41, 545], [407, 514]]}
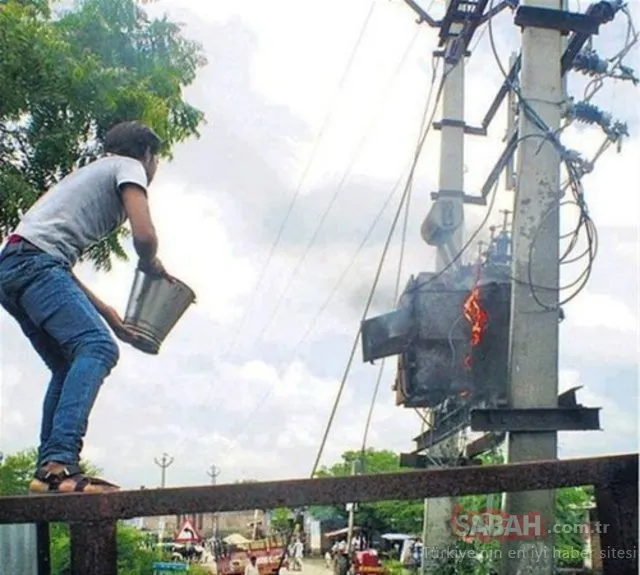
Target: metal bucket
{"points": [[155, 306]]}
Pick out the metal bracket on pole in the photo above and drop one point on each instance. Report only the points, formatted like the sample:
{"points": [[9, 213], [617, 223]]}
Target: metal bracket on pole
{"points": [[466, 198], [449, 425], [568, 416], [483, 444], [415, 461], [536, 419], [458, 124], [552, 19]]}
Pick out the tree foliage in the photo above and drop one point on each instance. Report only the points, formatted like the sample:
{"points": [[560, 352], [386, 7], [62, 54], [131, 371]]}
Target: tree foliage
{"points": [[382, 516], [67, 76], [473, 557], [280, 520], [17, 469], [476, 557], [134, 556]]}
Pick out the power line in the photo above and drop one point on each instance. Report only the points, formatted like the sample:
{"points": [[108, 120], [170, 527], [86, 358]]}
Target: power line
{"points": [[323, 218], [296, 195], [339, 188], [326, 121], [346, 271], [285, 365], [376, 278], [403, 241]]}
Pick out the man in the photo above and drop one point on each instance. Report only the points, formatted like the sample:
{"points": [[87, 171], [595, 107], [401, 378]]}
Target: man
{"points": [[251, 567], [56, 312], [298, 554]]}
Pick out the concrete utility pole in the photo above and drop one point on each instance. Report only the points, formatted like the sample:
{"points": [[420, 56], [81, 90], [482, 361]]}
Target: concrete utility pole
{"points": [[213, 473], [256, 514], [165, 462], [446, 215], [352, 511], [534, 330]]}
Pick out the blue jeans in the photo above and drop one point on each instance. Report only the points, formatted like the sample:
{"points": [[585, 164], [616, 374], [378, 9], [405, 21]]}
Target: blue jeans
{"points": [[40, 292]]}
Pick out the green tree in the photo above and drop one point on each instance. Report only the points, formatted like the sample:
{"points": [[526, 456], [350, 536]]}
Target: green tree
{"points": [[475, 557], [17, 469], [66, 77], [381, 516], [134, 557], [280, 518]]}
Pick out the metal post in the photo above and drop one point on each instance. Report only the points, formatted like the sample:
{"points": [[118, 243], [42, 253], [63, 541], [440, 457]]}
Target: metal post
{"points": [[165, 462], [94, 549], [255, 524], [352, 513], [534, 328], [213, 473], [44, 545], [448, 214]]}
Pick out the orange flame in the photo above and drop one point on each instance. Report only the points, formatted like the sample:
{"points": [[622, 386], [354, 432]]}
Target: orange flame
{"points": [[475, 314]]}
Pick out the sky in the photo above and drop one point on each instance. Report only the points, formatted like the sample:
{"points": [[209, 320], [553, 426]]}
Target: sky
{"points": [[247, 378]]}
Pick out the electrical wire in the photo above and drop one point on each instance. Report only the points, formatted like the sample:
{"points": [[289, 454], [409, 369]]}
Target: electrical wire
{"points": [[332, 201], [403, 240], [325, 124], [573, 165], [377, 275], [345, 273], [292, 356]]}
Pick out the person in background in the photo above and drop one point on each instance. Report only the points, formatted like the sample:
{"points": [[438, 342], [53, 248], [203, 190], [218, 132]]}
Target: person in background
{"points": [[416, 552], [251, 567], [343, 559], [298, 554], [62, 318], [328, 559]]}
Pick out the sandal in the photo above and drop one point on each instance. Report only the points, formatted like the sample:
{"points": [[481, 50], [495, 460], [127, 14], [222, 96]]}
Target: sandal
{"points": [[70, 479]]}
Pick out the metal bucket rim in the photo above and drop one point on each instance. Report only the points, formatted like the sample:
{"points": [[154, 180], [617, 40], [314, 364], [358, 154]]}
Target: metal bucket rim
{"points": [[139, 330], [153, 344]]}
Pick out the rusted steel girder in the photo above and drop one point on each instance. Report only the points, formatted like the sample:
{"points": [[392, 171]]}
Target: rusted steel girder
{"points": [[324, 491], [617, 508], [94, 549]]}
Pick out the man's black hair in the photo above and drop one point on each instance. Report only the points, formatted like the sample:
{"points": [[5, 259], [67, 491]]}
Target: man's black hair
{"points": [[131, 139]]}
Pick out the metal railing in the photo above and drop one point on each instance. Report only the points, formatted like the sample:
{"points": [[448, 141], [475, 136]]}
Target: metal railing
{"points": [[93, 517]]}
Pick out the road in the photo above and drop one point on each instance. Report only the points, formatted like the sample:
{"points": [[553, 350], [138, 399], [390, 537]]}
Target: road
{"points": [[309, 567], [312, 567]]}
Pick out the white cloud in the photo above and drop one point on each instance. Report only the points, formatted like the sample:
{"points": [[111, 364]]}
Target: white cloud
{"points": [[619, 426], [259, 410], [595, 311]]}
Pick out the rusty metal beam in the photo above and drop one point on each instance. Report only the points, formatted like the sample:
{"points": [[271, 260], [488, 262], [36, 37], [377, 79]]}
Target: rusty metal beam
{"points": [[323, 491], [617, 509], [44, 552], [94, 549]]}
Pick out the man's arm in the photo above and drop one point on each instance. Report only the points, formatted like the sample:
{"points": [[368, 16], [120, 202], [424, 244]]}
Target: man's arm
{"points": [[145, 240], [136, 206]]}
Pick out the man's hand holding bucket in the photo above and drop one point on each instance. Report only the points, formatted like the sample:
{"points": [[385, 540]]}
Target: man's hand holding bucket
{"points": [[155, 268]]}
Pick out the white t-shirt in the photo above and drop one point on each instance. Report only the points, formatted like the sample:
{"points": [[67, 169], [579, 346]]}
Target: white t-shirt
{"points": [[81, 209]]}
